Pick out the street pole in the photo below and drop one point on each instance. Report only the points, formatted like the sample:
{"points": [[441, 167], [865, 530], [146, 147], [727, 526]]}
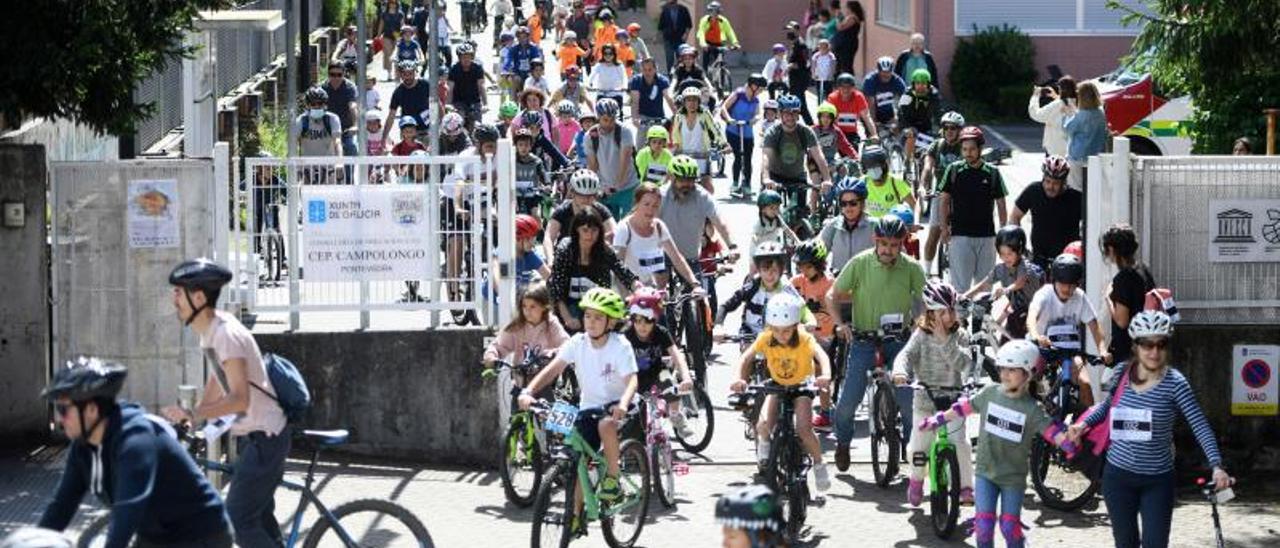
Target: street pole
{"points": [[288, 105], [362, 71], [304, 50], [433, 69]]}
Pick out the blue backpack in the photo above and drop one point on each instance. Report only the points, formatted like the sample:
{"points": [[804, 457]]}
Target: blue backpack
{"points": [[291, 389]]}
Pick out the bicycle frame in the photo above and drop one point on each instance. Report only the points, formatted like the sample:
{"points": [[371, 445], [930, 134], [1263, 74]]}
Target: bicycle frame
{"points": [[584, 455], [940, 442]]}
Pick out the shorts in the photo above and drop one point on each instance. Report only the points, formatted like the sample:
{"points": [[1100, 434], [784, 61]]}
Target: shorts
{"points": [[588, 425], [935, 208]]}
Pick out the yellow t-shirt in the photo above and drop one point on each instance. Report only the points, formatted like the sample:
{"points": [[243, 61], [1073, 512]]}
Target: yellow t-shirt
{"points": [[787, 365]]}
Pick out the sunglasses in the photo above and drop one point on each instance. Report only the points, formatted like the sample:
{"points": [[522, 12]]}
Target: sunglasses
{"points": [[1148, 344], [850, 203]]}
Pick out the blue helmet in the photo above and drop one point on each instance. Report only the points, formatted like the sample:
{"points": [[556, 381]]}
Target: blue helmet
{"points": [[789, 103], [851, 184], [606, 107], [904, 212]]}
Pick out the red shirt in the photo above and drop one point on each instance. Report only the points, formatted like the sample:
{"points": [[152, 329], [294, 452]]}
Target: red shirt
{"points": [[848, 111], [406, 147]]}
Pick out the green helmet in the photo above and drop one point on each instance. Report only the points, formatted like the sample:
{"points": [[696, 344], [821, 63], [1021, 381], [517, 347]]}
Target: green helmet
{"points": [[768, 198], [605, 301], [811, 252], [827, 108], [921, 75], [684, 167], [509, 109], [657, 132]]}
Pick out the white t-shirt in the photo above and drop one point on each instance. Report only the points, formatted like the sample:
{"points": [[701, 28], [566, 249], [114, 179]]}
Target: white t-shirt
{"points": [[644, 255], [372, 98], [1059, 320], [602, 372]]}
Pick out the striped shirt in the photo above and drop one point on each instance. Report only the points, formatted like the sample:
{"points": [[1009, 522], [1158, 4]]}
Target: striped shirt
{"points": [[1142, 425]]}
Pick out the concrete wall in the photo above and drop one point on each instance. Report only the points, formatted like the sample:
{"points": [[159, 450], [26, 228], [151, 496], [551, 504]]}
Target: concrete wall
{"points": [[410, 394], [24, 285]]}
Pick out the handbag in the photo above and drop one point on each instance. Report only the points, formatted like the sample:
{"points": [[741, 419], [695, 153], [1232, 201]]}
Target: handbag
{"points": [[1092, 454]]}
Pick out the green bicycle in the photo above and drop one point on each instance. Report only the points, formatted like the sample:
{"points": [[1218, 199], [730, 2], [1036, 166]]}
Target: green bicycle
{"points": [[558, 514], [942, 468]]}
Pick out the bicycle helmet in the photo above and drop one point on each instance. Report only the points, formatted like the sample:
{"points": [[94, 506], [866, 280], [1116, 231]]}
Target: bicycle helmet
{"points": [[1067, 269], [684, 167], [407, 66], [569, 36], [634, 27], [789, 103], [508, 110], [585, 182], [758, 80], [874, 155], [691, 92], [1019, 354], [407, 121], [466, 49], [485, 133], [317, 95], [770, 104], [531, 118], [1150, 323], [767, 198], [36, 537], [768, 249], [1055, 167], [606, 107], [567, 108], [811, 252], [851, 184], [527, 226], [200, 274], [537, 62], [828, 109], [904, 212], [713, 7], [522, 134], [779, 48], [86, 378], [452, 124], [686, 49], [939, 295], [846, 79], [646, 302], [752, 508], [953, 118], [621, 33], [656, 132], [884, 64], [890, 227], [783, 310], [1075, 249], [506, 36], [522, 30], [605, 301], [921, 76], [374, 115], [973, 133], [1013, 237]]}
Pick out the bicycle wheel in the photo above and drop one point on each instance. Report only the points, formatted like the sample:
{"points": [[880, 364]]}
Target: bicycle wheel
{"points": [[1059, 485], [694, 343], [664, 474], [944, 502], [95, 535], [797, 507], [725, 80], [944, 259], [553, 508], [369, 522], [521, 464], [622, 521], [701, 418], [886, 443]]}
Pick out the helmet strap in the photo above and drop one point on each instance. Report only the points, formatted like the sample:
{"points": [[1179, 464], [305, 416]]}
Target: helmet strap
{"points": [[195, 310], [86, 431]]}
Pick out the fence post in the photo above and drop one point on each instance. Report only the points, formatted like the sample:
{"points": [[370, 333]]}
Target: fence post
{"points": [[222, 220], [504, 278], [1096, 216], [295, 264]]}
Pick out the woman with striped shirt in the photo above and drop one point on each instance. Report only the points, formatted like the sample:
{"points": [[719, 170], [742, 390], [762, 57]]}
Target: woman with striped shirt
{"points": [[1139, 477]]}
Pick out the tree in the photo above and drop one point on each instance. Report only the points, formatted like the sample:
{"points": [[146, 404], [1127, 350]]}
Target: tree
{"points": [[82, 59], [1222, 54]]}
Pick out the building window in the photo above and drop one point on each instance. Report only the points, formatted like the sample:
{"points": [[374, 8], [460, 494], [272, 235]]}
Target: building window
{"points": [[894, 13], [1046, 17]]}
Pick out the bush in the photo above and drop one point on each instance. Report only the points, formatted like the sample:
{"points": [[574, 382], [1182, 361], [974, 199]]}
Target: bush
{"points": [[991, 63]]}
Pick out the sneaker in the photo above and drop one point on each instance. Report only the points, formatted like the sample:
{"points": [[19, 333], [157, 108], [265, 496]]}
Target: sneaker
{"points": [[966, 496], [681, 426], [822, 420], [842, 456], [821, 479], [578, 527], [915, 492], [610, 490], [762, 451]]}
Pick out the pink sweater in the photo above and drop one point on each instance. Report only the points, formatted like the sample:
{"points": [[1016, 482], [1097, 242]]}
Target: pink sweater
{"points": [[548, 336]]}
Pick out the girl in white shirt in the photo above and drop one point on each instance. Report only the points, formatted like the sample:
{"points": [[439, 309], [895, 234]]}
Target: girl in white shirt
{"points": [[609, 77]]}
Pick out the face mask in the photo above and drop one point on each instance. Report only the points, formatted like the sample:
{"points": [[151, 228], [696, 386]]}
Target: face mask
{"points": [[875, 172], [316, 112]]}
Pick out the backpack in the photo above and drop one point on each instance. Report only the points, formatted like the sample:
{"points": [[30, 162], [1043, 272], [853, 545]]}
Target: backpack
{"points": [[306, 125], [291, 389], [1161, 299]]}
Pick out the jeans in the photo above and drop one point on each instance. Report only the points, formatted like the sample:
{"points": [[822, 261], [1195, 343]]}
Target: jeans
{"points": [[742, 149], [862, 355], [797, 87], [985, 495], [671, 46], [1129, 495], [251, 497], [971, 259], [349, 144]]}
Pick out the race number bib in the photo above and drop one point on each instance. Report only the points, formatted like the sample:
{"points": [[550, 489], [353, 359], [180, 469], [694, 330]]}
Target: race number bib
{"points": [[1005, 423], [891, 323], [579, 287], [1130, 424], [562, 418], [656, 173], [652, 261], [525, 188], [904, 101], [1064, 336], [847, 118]]}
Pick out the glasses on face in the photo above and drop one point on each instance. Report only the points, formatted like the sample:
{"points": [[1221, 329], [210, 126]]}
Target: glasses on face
{"points": [[850, 203], [1157, 344], [61, 408]]}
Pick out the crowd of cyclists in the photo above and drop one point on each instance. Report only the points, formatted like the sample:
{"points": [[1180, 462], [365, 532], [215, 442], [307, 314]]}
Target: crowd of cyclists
{"points": [[612, 227]]}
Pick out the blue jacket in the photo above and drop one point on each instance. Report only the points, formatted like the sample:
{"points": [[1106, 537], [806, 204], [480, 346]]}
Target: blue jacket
{"points": [[519, 56], [1086, 133], [148, 480]]}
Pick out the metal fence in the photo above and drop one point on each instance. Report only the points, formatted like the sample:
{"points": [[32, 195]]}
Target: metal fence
{"points": [[467, 235], [1171, 212]]}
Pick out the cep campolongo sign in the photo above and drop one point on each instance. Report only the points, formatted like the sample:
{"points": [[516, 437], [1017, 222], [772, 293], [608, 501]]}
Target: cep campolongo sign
{"points": [[359, 233]]}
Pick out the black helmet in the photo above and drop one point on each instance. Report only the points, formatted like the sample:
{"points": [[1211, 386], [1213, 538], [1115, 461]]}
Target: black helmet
{"points": [[1068, 269], [874, 155], [811, 252], [85, 378], [750, 508], [486, 133], [1012, 236], [531, 118], [757, 79], [846, 79], [201, 274], [317, 94]]}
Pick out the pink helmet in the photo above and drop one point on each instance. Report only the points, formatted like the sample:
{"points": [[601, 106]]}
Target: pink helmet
{"points": [[646, 302]]}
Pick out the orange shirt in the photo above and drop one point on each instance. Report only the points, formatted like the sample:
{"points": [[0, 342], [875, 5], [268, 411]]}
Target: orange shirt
{"points": [[713, 32], [535, 27], [847, 111], [813, 293], [569, 56], [606, 34], [626, 56]]}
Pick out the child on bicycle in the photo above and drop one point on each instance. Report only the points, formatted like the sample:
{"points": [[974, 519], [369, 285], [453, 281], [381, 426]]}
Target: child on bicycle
{"points": [[566, 126], [651, 342], [653, 162], [750, 517], [769, 226], [531, 173], [937, 354], [534, 328], [770, 118], [812, 283], [791, 356], [528, 261], [1057, 315], [769, 259], [1010, 419], [605, 368], [1013, 276], [506, 116], [587, 120]]}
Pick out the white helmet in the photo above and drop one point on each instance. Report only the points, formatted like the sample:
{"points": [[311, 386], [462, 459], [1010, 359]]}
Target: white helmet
{"points": [[690, 91], [953, 118], [452, 124], [569, 35], [585, 182], [35, 537], [1150, 323], [783, 310], [1020, 354]]}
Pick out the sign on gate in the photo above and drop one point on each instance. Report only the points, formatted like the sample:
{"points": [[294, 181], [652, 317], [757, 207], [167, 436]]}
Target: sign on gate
{"points": [[1244, 231], [1254, 388], [365, 233], [154, 210]]}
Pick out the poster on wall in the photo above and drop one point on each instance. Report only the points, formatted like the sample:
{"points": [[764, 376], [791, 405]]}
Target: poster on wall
{"points": [[1244, 231], [1253, 379], [364, 233], [153, 212]]}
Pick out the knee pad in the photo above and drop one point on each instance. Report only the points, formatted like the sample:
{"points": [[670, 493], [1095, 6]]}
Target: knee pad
{"points": [[1011, 528], [984, 527]]}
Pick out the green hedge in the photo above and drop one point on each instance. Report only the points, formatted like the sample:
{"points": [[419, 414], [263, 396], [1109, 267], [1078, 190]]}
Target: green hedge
{"points": [[992, 71]]}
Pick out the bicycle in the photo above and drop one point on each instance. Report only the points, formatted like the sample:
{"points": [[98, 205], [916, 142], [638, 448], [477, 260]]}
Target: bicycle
{"points": [[883, 414], [687, 316], [524, 443], [942, 467], [473, 17], [362, 522], [1058, 483], [1214, 497], [985, 333], [272, 245], [750, 402], [658, 444], [572, 461], [786, 470], [718, 73], [795, 207]]}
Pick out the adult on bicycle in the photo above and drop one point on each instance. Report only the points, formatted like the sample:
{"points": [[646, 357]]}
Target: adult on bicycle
{"points": [[849, 233], [883, 88], [520, 58], [714, 34], [1055, 208], [131, 462], [695, 133], [412, 97], [583, 261], [884, 190], [238, 385], [571, 89], [884, 284], [649, 92], [786, 147], [1139, 478], [941, 154], [610, 148], [686, 209], [739, 113], [466, 85], [970, 191], [917, 109], [851, 106], [644, 243], [584, 194]]}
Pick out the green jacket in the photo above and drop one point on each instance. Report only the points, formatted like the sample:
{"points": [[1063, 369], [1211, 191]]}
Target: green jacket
{"points": [[727, 37]]}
